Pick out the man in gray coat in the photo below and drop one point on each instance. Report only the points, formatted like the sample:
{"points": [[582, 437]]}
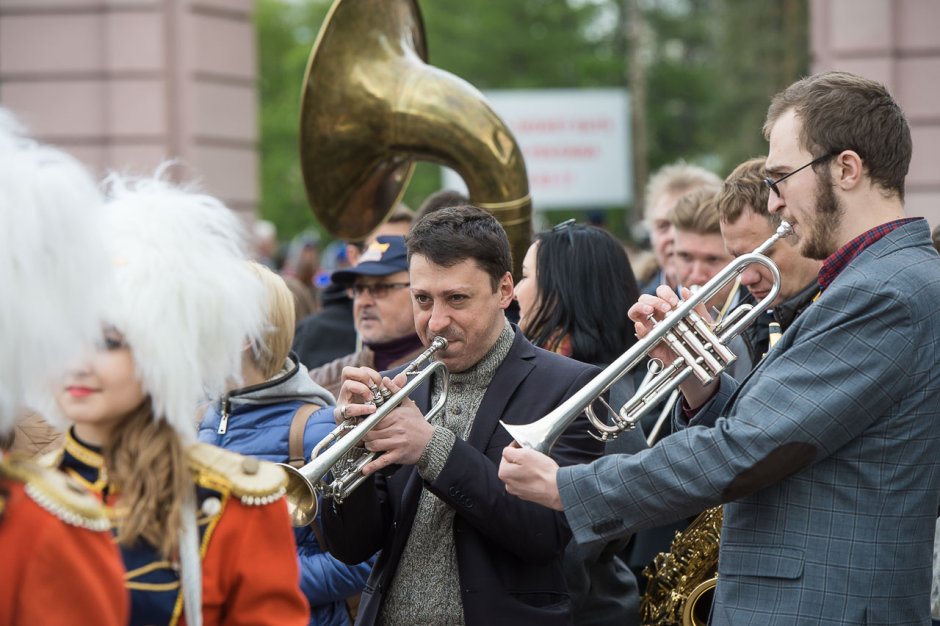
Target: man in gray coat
{"points": [[826, 456]]}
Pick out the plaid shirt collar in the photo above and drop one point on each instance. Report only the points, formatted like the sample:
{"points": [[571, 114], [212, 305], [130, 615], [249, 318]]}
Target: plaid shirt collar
{"points": [[841, 258]]}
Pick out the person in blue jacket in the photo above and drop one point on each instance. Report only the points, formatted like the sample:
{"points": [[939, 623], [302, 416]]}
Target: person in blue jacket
{"points": [[256, 420]]}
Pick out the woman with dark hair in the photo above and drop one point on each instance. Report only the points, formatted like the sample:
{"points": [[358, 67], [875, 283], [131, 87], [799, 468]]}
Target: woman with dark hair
{"points": [[576, 287]]}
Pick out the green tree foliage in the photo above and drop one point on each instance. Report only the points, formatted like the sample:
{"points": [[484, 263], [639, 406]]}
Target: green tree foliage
{"points": [[681, 78], [286, 33], [762, 47], [712, 67]]}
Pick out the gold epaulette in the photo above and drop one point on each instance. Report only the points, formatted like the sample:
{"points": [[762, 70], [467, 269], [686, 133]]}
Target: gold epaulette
{"points": [[252, 481], [57, 493], [50, 459]]}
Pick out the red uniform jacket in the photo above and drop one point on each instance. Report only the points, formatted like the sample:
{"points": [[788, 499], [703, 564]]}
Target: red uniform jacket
{"points": [[54, 571]]}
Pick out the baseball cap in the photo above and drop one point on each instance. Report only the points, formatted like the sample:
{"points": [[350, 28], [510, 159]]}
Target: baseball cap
{"points": [[386, 255]]}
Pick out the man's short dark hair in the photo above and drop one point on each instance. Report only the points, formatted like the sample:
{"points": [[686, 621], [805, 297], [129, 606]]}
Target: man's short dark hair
{"points": [[841, 111], [450, 236]]}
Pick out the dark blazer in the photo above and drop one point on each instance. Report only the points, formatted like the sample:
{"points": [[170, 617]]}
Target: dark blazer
{"points": [[508, 550]]}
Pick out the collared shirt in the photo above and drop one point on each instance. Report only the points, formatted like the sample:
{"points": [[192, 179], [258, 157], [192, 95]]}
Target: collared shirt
{"points": [[841, 258]]}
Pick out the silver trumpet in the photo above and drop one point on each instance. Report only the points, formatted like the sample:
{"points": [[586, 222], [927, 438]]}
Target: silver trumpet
{"points": [[333, 453], [701, 351]]}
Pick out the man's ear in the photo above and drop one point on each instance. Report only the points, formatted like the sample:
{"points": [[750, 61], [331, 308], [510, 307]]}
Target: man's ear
{"points": [[849, 170], [506, 290]]}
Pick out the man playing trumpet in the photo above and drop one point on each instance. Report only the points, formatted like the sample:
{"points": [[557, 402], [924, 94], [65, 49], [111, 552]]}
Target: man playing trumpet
{"points": [[826, 456], [455, 547]]}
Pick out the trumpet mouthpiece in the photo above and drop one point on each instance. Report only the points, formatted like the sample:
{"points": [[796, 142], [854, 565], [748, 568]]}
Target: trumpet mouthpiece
{"points": [[438, 343]]}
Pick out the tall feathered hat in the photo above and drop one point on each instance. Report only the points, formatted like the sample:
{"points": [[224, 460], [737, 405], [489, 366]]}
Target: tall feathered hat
{"points": [[187, 304], [186, 300], [54, 272]]}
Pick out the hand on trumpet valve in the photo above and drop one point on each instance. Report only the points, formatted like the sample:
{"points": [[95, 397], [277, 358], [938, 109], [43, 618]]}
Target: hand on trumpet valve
{"points": [[355, 399], [401, 436], [651, 310]]}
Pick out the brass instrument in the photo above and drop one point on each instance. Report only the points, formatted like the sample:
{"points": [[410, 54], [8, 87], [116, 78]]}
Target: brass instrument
{"points": [[682, 581], [332, 454], [701, 351], [371, 104]]}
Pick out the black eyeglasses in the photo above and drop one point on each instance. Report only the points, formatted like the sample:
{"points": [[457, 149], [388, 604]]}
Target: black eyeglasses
{"points": [[376, 290], [566, 227], [773, 183]]}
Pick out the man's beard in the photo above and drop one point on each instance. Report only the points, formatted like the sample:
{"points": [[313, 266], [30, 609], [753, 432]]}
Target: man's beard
{"points": [[819, 243]]}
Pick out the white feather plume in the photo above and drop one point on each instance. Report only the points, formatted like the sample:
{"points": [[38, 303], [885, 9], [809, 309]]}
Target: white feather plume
{"points": [[186, 299], [53, 268]]}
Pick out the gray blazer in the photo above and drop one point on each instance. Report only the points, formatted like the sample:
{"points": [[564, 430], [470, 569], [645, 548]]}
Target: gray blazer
{"points": [[826, 457]]}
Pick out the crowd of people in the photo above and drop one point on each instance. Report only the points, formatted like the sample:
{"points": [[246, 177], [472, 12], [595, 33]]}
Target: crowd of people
{"points": [[181, 378]]}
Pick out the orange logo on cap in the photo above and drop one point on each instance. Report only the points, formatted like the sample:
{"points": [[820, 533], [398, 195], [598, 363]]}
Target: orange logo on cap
{"points": [[375, 252]]}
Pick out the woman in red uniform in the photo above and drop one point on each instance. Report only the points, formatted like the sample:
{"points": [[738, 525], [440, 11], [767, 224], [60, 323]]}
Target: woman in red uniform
{"points": [[204, 532], [52, 534]]}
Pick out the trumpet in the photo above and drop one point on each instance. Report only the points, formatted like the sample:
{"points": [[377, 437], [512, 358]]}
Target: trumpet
{"points": [[332, 454], [700, 349]]}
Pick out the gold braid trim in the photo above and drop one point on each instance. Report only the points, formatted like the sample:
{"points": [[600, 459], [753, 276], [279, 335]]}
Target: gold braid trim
{"points": [[57, 493], [254, 482], [85, 455]]}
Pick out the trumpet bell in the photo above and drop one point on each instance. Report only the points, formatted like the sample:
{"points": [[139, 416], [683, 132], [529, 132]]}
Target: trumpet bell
{"points": [[301, 497]]}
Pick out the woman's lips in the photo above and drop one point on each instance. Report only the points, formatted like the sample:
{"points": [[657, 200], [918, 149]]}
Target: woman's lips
{"points": [[80, 392]]}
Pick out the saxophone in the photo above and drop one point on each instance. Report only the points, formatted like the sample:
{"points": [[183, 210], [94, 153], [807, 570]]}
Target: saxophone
{"points": [[681, 582]]}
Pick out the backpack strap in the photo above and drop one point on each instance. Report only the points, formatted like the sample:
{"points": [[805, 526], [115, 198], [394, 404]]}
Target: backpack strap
{"points": [[296, 457], [295, 438]]}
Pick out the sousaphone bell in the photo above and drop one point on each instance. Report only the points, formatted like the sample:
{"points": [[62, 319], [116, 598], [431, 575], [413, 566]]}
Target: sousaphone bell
{"points": [[371, 106]]}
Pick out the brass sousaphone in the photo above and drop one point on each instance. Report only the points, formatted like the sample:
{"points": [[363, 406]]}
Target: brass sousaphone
{"points": [[371, 106]]}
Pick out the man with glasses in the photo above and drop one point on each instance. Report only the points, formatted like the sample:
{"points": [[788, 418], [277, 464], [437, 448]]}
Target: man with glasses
{"points": [[826, 457], [378, 286]]}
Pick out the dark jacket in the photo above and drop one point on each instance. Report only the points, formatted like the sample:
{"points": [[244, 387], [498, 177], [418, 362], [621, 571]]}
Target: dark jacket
{"points": [[329, 333], [508, 550], [603, 588]]}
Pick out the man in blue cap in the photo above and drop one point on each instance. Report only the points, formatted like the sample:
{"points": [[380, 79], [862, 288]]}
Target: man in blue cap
{"points": [[382, 312]]}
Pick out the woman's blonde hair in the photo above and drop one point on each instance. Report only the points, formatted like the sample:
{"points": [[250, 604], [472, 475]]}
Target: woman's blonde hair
{"points": [[280, 317], [147, 465]]}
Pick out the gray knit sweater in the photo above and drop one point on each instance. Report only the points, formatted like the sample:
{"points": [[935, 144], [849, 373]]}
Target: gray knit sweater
{"points": [[426, 587]]}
